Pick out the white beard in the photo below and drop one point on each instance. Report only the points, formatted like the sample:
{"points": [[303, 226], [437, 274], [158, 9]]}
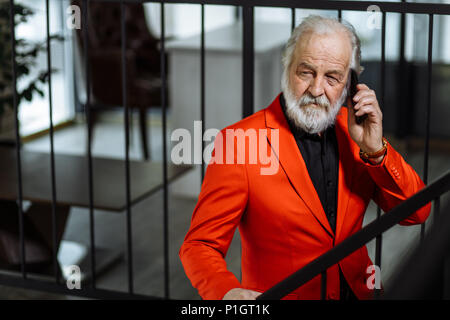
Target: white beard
{"points": [[311, 118]]}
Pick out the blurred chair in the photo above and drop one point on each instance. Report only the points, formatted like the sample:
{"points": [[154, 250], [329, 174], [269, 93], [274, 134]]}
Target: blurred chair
{"points": [[105, 61]]}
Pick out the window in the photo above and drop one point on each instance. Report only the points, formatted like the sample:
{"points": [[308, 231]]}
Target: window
{"points": [[34, 115]]}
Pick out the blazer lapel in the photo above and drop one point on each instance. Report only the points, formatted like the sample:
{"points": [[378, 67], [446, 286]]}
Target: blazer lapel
{"points": [[346, 168], [293, 164]]}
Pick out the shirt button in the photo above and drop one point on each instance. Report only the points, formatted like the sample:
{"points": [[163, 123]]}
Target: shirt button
{"points": [[332, 296]]}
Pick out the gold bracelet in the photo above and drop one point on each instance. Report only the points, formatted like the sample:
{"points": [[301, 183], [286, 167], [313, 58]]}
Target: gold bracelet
{"points": [[376, 154]]}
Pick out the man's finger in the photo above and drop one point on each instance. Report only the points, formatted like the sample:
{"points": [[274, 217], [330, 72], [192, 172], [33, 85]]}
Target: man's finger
{"points": [[363, 93], [366, 109], [253, 294], [362, 86], [241, 294], [365, 101]]}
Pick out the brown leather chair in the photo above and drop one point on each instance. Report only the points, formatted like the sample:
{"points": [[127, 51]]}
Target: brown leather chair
{"points": [[105, 61]]}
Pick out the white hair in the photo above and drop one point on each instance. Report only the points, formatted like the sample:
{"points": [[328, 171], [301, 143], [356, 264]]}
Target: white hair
{"points": [[323, 25], [313, 119]]}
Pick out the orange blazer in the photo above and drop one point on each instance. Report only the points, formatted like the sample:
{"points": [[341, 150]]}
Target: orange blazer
{"points": [[281, 221]]}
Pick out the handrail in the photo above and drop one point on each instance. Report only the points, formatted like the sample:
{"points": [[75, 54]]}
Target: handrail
{"points": [[387, 6], [354, 242]]}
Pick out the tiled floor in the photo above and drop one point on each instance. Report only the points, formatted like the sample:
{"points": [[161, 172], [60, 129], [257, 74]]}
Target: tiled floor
{"points": [[147, 217]]}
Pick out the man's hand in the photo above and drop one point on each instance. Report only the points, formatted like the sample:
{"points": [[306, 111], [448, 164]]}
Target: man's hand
{"points": [[369, 134], [241, 294]]}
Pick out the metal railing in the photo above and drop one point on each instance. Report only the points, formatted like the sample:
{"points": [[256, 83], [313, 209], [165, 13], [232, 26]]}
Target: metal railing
{"points": [[248, 7], [357, 240]]}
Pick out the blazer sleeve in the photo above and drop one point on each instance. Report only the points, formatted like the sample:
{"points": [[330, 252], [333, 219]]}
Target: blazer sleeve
{"points": [[396, 181], [222, 201]]}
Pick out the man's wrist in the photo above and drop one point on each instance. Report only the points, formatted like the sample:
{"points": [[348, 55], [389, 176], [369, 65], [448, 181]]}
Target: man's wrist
{"points": [[376, 161], [376, 156]]}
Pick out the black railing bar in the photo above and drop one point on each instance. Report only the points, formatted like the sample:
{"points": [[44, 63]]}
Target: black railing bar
{"points": [[18, 140], [378, 250], [89, 142], [379, 238], [323, 285], [428, 110], [354, 242], [383, 61], [398, 7], [164, 142], [422, 232], [429, 88], [437, 208], [127, 146], [340, 15], [401, 80], [52, 149], [292, 19], [86, 292], [202, 83], [378, 243], [248, 66]]}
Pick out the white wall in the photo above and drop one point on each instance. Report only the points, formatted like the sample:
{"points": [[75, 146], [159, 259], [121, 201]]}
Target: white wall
{"points": [[183, 20]]}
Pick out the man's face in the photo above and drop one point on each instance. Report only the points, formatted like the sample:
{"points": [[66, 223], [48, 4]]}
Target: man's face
{"points": [[320, 66], [317, 79]]}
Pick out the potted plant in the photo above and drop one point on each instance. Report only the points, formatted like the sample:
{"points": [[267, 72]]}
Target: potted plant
{"points": [[26, 56]]}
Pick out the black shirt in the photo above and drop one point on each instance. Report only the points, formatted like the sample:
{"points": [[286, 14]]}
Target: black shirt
{"points": [[321, 156]]}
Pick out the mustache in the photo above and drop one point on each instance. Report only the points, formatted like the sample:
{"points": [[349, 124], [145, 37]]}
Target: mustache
{"points": [[321, 101]]}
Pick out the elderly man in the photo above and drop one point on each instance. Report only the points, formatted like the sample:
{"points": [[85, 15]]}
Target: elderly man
{"points": [[331, 166]]}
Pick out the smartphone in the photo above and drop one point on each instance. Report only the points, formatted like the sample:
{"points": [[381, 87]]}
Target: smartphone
{"points": [[353, 91]]}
